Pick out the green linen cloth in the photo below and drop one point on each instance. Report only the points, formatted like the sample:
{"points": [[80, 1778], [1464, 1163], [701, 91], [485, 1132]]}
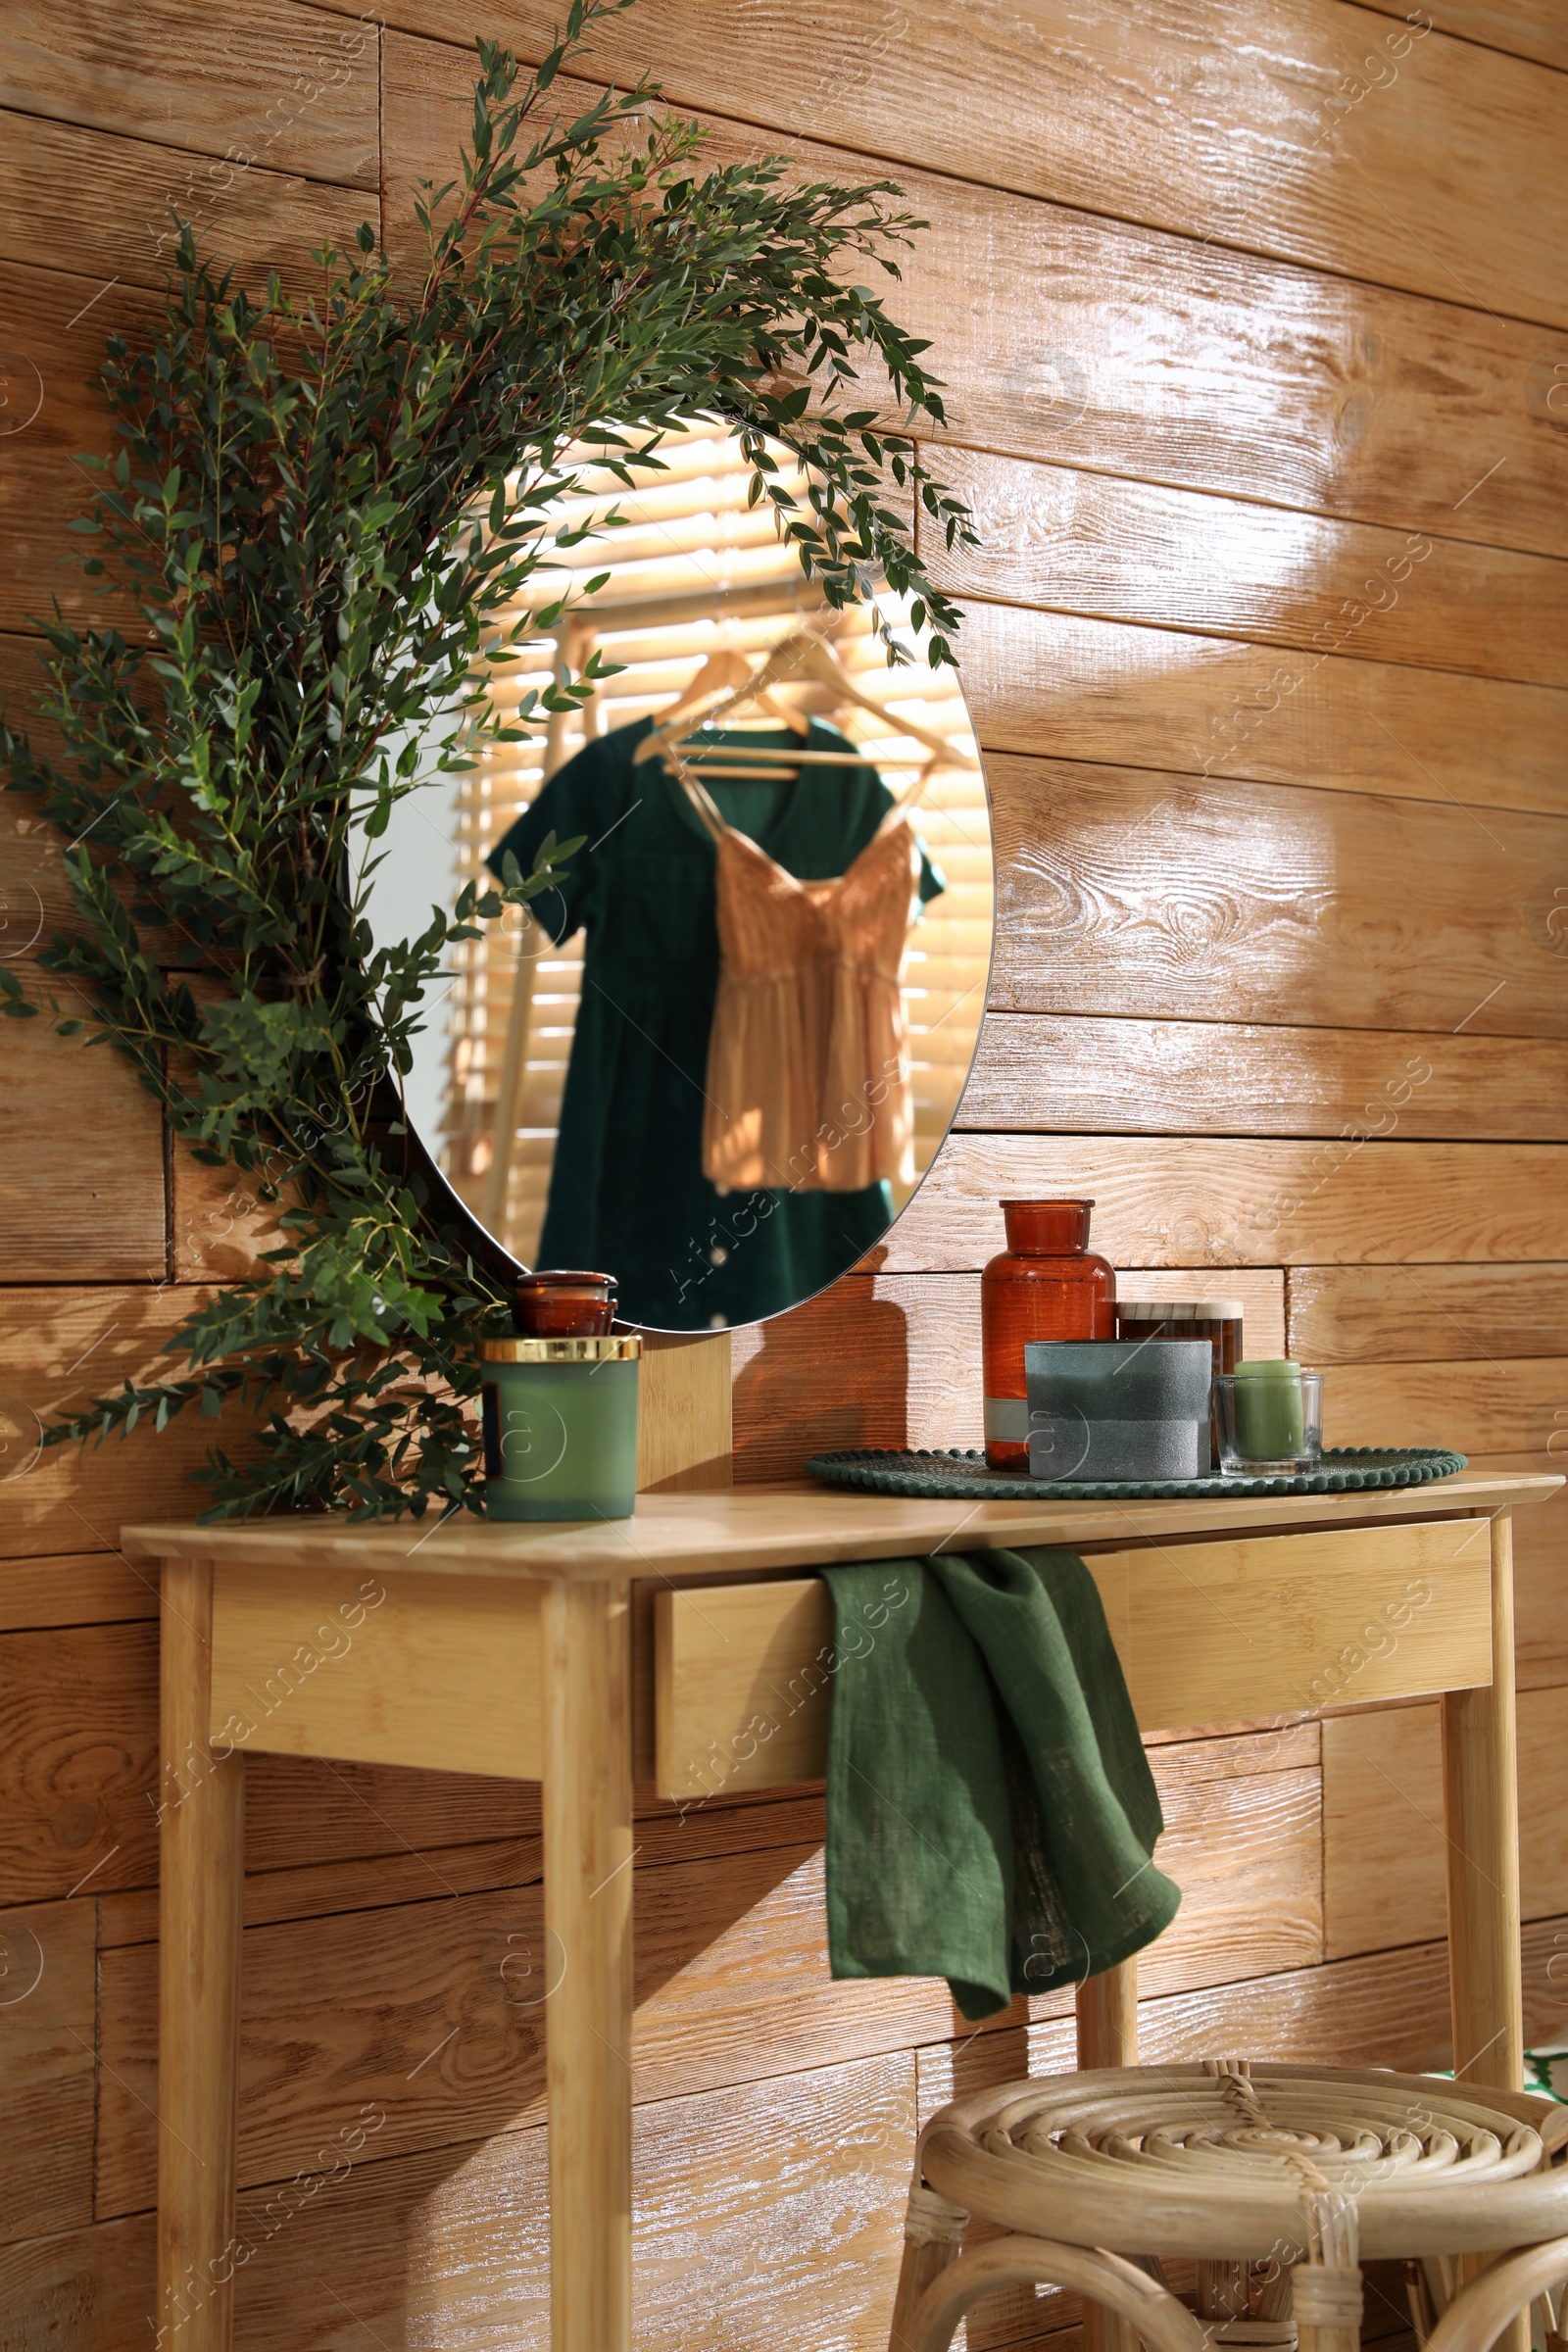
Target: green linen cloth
{"points": [[990, 1814]]}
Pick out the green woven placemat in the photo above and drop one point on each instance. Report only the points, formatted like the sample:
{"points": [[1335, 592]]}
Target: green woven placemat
{"points": [[964, 1476]]}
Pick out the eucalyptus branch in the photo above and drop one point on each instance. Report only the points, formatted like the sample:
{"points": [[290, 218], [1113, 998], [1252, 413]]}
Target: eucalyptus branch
{"points": [[327, 510]]}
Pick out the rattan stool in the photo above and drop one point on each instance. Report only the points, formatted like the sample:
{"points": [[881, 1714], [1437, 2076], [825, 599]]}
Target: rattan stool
{"points": [[1278, 2178]]}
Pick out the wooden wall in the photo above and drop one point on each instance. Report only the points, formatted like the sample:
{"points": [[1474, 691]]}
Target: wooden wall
{"points": [[1255, 323]]}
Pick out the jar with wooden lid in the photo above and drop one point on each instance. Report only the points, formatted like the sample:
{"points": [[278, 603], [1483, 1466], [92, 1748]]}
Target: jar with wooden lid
{"points": [[1217, 1320]]}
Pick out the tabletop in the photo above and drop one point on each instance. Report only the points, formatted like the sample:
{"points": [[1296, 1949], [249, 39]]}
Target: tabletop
{"points": [[797, 1524]]}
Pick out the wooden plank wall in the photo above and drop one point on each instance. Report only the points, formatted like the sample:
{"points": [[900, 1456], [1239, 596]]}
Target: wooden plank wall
{"points": [[1255, 323]]}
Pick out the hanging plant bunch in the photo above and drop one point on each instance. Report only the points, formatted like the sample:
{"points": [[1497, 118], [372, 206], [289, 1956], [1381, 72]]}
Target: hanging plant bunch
{"points": [[322, 508]]}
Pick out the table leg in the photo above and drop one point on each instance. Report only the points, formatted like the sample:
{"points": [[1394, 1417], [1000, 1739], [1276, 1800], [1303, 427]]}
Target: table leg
{"points": [[587, 1768], [201, 1874], [1108, 2036], [1107, 2017], [1480, 1817]]}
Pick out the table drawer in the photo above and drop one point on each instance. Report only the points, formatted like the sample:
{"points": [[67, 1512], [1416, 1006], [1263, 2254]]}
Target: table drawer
{"points": [[436, 1670], [1211, 1631]]}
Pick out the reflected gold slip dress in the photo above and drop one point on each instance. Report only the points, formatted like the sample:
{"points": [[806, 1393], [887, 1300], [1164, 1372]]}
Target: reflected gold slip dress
{"points": [[808, 1066]]}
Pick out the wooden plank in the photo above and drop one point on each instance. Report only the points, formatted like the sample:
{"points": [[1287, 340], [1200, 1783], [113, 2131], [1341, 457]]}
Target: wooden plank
{"points": [[80, 1199], [775, 2206], [1078, 542], [894, 1359], [1214, 127], [263, 83], [1352, 1314], [75, 1589], [302, 1811], [743, 1673], [1514, 1406], [1205, 1202], [1134, 893], [354, 2003], [90, 203], [1383, 1839], [1111, 691], [1379, 2009], [48, 2036], [1212, 369], [63, 1347], [91, 2288], [443, 1673], [407, 1875], [56, 324], [1054, 1071], [1523, 28], [79, 1745]]}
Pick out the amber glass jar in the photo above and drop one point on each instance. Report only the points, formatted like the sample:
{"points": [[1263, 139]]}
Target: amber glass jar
{"points": [[1045, 1286], [564, 1306]]}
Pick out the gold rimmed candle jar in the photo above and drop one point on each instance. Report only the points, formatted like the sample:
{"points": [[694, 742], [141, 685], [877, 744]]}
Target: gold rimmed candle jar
{"points": [[561, 1427]]}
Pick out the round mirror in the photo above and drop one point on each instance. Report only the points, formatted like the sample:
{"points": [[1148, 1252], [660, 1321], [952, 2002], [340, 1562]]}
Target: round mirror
{"points": [[716, 1056]]}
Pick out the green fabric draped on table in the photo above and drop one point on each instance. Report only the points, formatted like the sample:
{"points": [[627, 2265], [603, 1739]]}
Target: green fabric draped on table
{"points": [[990, 1815]]}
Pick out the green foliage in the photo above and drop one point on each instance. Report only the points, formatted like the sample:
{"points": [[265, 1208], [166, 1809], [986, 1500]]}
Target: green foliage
{"points": [[323, 507]]}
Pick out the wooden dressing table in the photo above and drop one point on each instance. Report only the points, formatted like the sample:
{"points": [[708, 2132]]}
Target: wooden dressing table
{"points": [[691, 1648]]}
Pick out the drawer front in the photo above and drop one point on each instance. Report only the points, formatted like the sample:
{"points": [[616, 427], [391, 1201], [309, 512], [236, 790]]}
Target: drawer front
{"points": [[436, 1670], [1211, 1632]]}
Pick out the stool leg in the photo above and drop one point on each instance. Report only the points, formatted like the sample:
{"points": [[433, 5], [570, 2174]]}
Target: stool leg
{"points": [[1108, 2036], [932, 2238], [1326, 2302], [1498, 2302], [1138, 2303]]}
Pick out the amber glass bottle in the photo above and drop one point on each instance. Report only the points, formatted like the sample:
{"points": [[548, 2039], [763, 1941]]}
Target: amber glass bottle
{"points": [[1045, 1286]]}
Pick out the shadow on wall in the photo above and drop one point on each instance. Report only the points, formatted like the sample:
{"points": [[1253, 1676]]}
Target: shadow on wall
{"points": [[828, 1375]]}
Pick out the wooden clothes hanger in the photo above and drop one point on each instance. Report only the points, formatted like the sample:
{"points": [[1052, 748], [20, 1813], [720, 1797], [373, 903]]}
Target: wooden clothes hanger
{"points": [[722, 674], [798, 655]]}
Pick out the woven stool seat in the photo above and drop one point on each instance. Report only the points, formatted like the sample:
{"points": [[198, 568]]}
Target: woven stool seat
{"points": [[1301, 2169]]}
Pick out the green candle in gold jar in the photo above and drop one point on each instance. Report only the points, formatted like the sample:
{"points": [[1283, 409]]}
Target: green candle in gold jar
{"points": [[561, 1427]]}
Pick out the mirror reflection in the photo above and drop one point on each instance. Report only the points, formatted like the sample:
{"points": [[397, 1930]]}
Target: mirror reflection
{"points": [[715, 1057]]}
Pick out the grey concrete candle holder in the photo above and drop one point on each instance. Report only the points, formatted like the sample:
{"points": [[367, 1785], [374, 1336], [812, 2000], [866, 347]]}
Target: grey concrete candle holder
{"points": [[1120, 1409]]}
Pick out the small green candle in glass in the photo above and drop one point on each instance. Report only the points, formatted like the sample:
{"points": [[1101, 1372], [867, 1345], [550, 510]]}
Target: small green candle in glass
{"points": [[1271, 1417], [561, 1427]]}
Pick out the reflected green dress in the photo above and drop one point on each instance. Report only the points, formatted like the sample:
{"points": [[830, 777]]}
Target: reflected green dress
{"points": [[627, 1193]]}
